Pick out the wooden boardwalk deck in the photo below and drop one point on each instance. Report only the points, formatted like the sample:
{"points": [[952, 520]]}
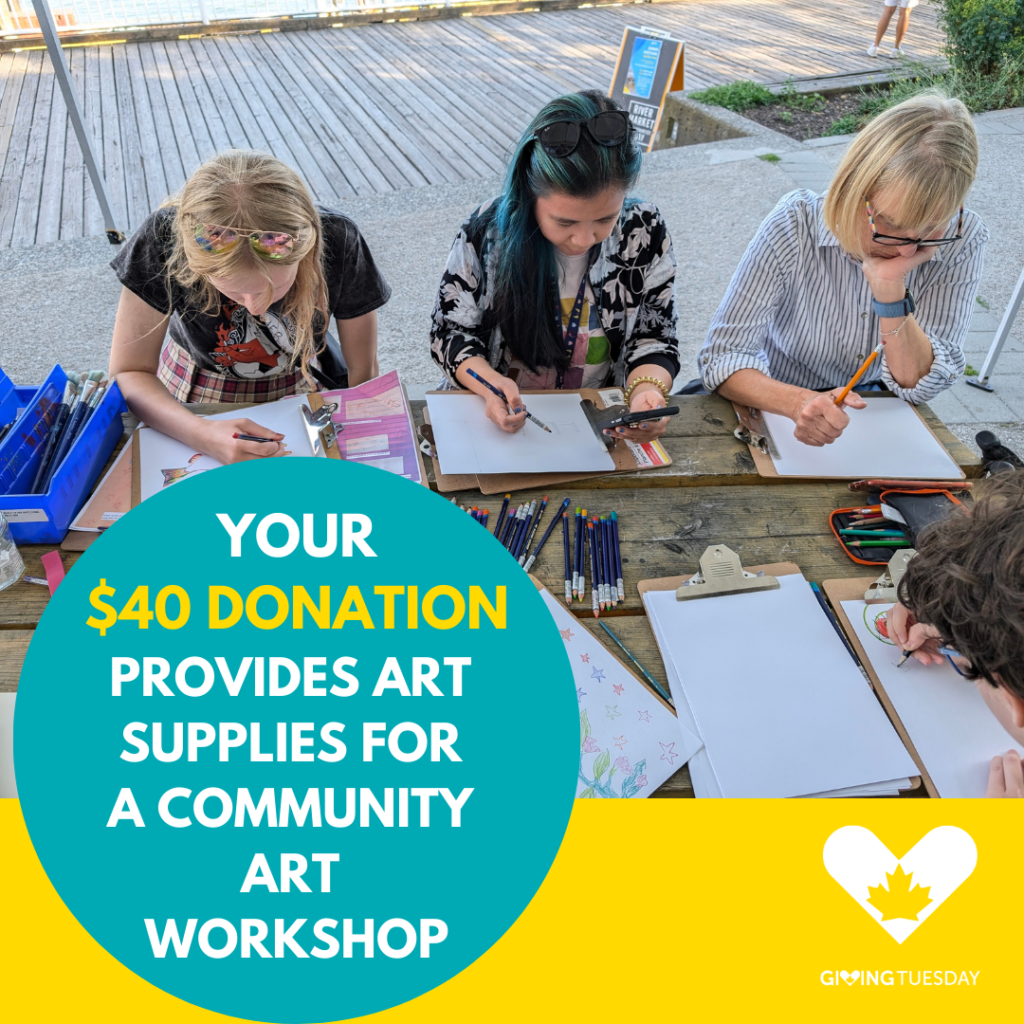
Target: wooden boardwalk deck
{"points": [[369, 109]]}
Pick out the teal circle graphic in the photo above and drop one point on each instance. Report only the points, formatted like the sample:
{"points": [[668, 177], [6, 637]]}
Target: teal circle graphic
{"points": [[141, 807]]}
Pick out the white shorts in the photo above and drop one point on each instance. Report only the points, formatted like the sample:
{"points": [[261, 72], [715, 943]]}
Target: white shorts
{"points": [[901, 3]]}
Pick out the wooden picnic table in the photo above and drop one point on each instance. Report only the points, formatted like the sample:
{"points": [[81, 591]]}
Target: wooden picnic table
{"points": [[711, 494]]}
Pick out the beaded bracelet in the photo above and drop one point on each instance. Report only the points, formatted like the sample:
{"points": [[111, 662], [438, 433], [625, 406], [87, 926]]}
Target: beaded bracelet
{"points": [[658, 383]]}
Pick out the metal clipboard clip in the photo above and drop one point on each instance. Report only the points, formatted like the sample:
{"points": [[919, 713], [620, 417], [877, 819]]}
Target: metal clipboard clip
{"points": [[753, 430], [884, 589], [721, 573], [322, 433]]}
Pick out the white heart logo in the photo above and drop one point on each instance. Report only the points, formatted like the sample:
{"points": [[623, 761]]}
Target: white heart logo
{"points": [[848, 977], [900, 894]]}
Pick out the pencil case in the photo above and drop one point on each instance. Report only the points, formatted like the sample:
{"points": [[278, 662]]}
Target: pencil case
{"points": [[907, 510]]}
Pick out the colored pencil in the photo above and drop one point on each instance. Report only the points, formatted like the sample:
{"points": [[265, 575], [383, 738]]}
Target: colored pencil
{"points": [[568, 569], [831, 618], [872, 533], [251, 437], [501, 514], [501, 394], [524, 530], [533, 529], [547, 533], [510, 524], [595, 586], [658, 688], [483, 519], [576, 554], [611, 589], [584, 556], [857, 376], [619, 585], [904, 543]]}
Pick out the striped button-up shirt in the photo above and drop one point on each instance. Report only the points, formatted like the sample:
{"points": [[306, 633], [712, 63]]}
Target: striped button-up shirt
{"points": [[798, 307]]}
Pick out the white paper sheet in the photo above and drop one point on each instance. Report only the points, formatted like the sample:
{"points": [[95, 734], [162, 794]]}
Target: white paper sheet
{"points": [[468, 442], [783, 713], [947, 720], [164, 461], [630, 743], [887, 439], [702, 773]]}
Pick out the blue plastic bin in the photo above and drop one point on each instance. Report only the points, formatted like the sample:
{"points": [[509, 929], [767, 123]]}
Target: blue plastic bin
{"points": [[44, 518]]}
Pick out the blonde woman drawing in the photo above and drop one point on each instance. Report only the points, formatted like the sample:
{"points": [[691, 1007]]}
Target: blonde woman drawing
{"points": [[888, 254], [227, 293]]}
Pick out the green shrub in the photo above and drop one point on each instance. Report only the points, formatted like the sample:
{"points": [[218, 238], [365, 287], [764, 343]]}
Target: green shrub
{"points": [[736, 96], [982, 34], [800, 101], [843, 125], [769, 158]]}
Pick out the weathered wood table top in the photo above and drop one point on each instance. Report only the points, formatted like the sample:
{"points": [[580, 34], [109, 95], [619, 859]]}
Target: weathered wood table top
{"points": [[710, 495]]}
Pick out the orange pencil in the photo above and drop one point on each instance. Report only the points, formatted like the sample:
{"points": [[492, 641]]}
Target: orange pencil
{"points": [[857, 376]]}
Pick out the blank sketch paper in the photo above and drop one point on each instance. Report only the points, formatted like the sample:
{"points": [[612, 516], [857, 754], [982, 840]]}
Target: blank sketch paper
{"points": [[781, 707], [630, 743], [163, 461], [468, 442], [887, 439], [948, 721]]}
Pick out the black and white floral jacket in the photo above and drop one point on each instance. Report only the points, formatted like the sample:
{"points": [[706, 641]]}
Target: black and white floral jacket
{"points": [[633, 275]]}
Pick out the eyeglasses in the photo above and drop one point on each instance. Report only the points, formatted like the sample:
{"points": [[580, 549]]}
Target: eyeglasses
{"points": [[919, 242], [950, 654], [609, 128], [219, 238]]}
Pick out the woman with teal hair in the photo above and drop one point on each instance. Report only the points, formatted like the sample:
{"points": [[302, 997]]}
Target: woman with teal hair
{"points": [[563, 281]]}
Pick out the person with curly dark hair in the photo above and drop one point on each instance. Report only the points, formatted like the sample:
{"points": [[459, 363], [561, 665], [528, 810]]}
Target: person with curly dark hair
{"points": [[962, 598]]}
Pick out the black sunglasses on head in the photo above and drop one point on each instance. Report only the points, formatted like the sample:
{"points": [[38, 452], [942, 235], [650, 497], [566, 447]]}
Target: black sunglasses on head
{"points": [[609, 128]]}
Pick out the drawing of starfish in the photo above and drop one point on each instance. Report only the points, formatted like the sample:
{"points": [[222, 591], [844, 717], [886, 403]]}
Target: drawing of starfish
{"points": [[585, 657], [597, 673], [580, 693], [620, 741], [613, 711], [668, 752], [618, 688], [567, 634], [645, 716]]}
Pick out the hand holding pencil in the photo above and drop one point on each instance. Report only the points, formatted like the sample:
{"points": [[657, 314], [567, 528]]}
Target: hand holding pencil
{"points": [[820, 417], [505, 408]]}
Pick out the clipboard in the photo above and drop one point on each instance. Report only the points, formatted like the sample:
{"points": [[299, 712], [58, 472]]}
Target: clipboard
{"points": [[625, 459], [838, 591], [313, 401], [753, 431], [841, 590]]}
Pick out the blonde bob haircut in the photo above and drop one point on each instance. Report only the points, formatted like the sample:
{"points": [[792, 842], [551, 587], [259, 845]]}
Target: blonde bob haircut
{"points": [[923, 153], [253, 191]]}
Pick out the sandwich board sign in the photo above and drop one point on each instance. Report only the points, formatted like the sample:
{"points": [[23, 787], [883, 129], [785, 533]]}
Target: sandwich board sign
{"points": [[649, 66]]}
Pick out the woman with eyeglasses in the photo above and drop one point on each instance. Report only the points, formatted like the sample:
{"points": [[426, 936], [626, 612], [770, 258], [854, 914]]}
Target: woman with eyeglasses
{"points": [[563, 281], [962, 602], [227, 293], [888, 256]]}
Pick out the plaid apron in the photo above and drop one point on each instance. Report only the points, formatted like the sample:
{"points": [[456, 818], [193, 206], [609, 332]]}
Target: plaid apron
{"points": [[180, 374]]}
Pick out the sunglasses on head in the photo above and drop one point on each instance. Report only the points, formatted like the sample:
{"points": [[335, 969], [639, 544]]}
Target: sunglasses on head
{"points": [[609, 128], [219, 238], [919, 242]]}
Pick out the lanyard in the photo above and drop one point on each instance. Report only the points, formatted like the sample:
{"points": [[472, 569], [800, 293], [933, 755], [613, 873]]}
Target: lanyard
{"points": [[572, 329]]}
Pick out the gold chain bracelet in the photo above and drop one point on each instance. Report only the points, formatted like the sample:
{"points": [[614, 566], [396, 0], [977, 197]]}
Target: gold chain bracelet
{"points": [[657, 382]]}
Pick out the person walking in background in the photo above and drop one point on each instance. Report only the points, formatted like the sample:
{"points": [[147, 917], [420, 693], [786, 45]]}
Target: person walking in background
{"points": [[901, 27]]}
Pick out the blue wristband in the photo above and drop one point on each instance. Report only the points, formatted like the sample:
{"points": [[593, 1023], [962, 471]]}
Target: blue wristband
{"points": [[904, 307]]}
